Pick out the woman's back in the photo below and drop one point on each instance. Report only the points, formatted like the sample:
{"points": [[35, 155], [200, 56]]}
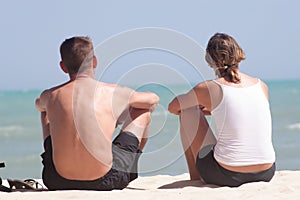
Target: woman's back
{"points": [[243, 124]]}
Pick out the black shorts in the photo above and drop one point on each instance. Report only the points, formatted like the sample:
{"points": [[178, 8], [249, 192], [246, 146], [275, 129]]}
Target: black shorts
{"points": [[213, 173], [124, 168]]}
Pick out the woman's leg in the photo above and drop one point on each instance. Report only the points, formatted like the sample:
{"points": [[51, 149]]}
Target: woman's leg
{"points": [[195, 134]]}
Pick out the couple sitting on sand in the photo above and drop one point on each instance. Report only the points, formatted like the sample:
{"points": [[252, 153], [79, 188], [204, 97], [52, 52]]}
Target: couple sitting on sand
{"points": [[79, 118]]}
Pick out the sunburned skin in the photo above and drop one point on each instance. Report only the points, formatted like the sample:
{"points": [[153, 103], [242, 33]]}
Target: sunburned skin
{"points": [[81, 117]]}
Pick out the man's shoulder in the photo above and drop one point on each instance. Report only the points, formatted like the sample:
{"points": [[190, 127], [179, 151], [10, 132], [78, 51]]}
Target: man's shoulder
{"points": [[107, 85], [114, 87], [54, 89]]}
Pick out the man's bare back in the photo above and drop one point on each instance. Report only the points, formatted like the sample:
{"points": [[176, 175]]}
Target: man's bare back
{"points": [[81, 117]]}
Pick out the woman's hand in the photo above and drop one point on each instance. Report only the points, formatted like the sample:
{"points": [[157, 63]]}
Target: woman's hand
{"points": [[174, 107]]}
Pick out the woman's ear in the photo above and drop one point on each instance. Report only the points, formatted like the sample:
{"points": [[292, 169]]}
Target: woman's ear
{"points": [[63, 67], [95, 62]]}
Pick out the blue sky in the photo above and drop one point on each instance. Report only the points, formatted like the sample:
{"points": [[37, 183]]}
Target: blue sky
{"points": [[32, 31]]}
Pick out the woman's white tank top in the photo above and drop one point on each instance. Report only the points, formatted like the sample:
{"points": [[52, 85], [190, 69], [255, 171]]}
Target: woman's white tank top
{"points": [[244, 127]]}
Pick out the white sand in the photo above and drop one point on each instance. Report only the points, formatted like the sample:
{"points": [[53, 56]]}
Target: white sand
{"points": [[285, 185]]}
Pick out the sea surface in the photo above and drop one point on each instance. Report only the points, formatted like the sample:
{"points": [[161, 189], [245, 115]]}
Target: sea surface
{"points": [[21, 137]]}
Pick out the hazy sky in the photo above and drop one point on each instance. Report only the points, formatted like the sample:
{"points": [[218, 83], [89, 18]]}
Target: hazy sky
{"points": [[32, 31]]}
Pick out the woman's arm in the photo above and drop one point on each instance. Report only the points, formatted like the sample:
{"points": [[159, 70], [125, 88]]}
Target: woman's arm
{"points": [[198, 96]]}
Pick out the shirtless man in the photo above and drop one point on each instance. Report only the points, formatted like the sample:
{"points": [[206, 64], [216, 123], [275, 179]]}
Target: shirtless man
{"points": [[79, 118]]}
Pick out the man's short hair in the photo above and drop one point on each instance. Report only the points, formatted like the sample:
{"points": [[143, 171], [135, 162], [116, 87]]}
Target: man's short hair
{"points": [[76, 52]]}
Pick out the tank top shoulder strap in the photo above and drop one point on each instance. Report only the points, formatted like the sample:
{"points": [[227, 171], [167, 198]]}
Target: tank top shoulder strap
{"points": [[218, 83], [215, 81], [216, 94]]}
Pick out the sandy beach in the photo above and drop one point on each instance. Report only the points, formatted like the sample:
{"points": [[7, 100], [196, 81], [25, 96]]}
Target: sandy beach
{"points": [[285, 185]]}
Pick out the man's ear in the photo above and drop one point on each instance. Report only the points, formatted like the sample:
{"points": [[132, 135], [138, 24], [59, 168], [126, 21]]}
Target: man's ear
{"points": [[95, 62], [63, 67]]}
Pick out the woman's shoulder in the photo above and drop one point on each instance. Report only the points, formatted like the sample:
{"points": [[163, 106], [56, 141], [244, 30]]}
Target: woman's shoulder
{"points": [[250, 80], [210, 93], [256, 81], [206, 84], [210, 87]]}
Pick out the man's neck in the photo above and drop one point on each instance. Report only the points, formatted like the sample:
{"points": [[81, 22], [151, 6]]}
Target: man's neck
{"points": [[85, 74]]}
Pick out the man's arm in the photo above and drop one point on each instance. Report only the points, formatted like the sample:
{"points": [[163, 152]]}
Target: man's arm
{"points": [[125, 98], [45, 125], [41, 101], [143, 100], [40, 104]]}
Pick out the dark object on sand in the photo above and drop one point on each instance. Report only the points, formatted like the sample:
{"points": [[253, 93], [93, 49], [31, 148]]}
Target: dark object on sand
{"points": [[2, 187]]}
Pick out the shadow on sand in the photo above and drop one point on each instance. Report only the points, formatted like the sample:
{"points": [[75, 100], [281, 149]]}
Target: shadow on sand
{"points": [[186, 183]]}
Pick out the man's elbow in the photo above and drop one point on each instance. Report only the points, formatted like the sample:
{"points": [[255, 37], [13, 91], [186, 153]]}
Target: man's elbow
{"points": [[38, 105], [145, 100]]}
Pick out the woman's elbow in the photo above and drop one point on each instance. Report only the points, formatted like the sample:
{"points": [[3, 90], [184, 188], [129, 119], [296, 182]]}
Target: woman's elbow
{"points": [[174, 107]]}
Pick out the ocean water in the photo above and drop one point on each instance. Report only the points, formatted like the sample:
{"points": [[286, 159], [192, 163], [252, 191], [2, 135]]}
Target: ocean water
{"points": [[21, 137]]}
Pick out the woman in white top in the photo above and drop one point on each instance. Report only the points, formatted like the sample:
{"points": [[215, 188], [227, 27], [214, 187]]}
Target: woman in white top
{"points": [[242, 151]]}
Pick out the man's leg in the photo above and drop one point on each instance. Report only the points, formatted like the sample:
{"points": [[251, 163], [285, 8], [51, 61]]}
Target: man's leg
{"points": [[195, 134], [137, 123]]}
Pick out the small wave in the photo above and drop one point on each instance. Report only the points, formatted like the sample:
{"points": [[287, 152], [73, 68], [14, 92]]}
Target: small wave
{"points": [[294, 91], [27, 158], [10, 128], [294, 126], [8, 131], [159, 113]]}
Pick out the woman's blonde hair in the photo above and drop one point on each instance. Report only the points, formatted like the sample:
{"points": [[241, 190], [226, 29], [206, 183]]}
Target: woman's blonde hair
{"points": [[224, 55]]}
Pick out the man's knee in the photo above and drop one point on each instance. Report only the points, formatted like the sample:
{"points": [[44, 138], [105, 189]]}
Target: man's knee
{"points": [[140, 116]]}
